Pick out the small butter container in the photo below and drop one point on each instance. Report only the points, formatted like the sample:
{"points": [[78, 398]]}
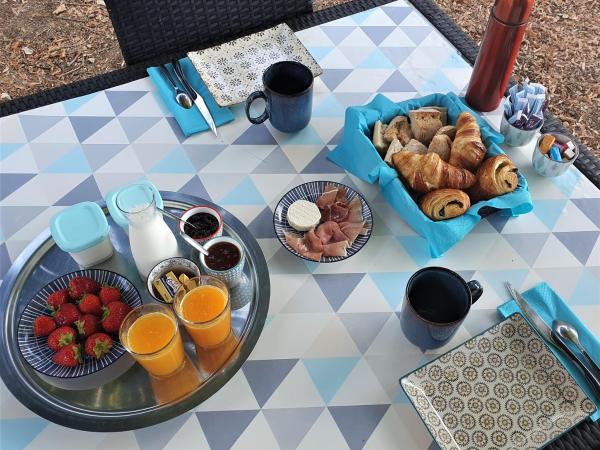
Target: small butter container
{"points": [[176, 265], [548, 167], [515, 137], [82, 231]]}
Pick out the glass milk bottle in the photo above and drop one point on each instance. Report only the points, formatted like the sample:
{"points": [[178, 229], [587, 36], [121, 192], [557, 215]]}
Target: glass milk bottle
{"points": [[150, 238]]}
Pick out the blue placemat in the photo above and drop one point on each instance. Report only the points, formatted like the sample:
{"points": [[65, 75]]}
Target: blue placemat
{"points": [[358, 156], [190, 120], [550, 306]]}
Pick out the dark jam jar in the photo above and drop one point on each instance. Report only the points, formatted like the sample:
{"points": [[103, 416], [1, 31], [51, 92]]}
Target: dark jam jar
{"points": [[205, 225], [222, 256]]}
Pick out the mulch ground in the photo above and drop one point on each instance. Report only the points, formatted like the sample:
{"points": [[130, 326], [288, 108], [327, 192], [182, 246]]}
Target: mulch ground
{"points": [[48, 43]]}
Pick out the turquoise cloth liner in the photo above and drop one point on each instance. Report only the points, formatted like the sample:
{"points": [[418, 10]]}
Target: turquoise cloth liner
{"points": [[550, 306], [190, 120], [358, 156]]}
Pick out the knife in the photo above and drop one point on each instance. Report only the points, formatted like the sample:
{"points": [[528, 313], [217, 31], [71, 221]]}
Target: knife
{"points": [[198, 100], [552, 338]]}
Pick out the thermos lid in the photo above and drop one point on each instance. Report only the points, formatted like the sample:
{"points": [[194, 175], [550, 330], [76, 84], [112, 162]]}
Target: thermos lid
{"points": [[513, 12]]}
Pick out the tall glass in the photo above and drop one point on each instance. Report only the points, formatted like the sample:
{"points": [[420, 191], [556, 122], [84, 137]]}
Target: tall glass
{"points": [[202, 305], [151, 335], [151, 240]]}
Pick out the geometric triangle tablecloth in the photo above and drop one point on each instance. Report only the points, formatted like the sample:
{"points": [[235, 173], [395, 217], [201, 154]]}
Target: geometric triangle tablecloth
{"points": [[324, 373]]}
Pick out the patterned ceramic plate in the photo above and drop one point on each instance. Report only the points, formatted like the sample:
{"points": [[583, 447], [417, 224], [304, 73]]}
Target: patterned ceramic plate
{"points": [[233, 70], [503, 389], [311, 192], [35, 350]]}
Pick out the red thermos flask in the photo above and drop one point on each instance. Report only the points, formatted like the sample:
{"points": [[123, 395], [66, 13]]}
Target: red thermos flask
{"points": [[497, 54]]}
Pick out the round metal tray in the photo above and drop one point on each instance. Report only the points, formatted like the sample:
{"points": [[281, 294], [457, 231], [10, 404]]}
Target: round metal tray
{"points": [[134, 399]]}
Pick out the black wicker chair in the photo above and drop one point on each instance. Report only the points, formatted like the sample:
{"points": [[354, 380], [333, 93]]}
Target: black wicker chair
{"points": [[147, 29]]}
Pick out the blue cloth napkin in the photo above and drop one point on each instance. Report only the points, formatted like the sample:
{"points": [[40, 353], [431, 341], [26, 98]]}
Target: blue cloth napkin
{"points": [[550, 306], [358, 156], [190, 120]]}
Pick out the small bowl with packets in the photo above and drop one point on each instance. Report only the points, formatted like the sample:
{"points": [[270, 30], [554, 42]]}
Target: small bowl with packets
{"points": [[437, 162], [554, 153], [167, 276], [523, 115]]}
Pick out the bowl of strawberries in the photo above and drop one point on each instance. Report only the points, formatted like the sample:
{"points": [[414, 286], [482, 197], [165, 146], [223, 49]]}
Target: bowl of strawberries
{"points": [[68, 332]]}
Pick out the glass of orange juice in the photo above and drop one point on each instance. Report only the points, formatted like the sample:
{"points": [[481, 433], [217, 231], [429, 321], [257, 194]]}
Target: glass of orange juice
{"points": [[202, 304], [151, 334]]}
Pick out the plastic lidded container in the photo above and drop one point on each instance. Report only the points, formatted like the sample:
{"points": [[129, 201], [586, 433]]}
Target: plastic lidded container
{"points": [[82, 231], [115, 212]]}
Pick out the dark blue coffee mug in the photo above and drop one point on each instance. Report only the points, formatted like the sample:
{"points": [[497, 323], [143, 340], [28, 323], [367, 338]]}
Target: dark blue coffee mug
{"points": [[288, 91], [436, 302]]}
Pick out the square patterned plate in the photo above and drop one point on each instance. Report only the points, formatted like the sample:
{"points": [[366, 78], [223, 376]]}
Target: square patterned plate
{"points": [[503, 389], [233, 70]]}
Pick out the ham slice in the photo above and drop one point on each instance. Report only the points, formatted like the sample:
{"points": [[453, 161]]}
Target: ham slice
{"points": [[313, 255], [313, 242], [355, 211], [335, 249], [327, 198], [342, 195], [352, 230], [297, 243]]}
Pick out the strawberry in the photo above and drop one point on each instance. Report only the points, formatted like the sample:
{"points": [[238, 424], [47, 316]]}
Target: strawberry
{"points": [[90, 304], [67, 314], [109, 294], [87, 325], [82, 285], [98, 345], [68, 356], [58, 298], [43, 326], [61, 337], [114, 313]]}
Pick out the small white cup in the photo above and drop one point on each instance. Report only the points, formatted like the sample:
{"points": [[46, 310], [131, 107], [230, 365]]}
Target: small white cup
{"points": [[231, 277], [202, 209]]}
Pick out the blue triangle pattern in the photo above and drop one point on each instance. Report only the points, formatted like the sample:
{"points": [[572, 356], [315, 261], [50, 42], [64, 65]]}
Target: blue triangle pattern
{"points": [[223, 428], [567, 181], [307, 136], [320, 164], [454, 61], [377, 34], [319, 52], [73, 104], [417, 248], [337, 34], [18, 433], [157, 436], [276, 162], [5, 264], [496, 279], [586, 291], [333, 77], [290, 425], [121, 100], [244, 193], [265, 376], [8, 149], [337, 287], [196, 188], [175, 161], [590, 207], [397, 14], [329, 107], [262, 225], [34, 125], [337, 138], [579, 243], [549, 211], [376, 60], [397, 83], [357, 423], [498, 221], [10, 182], [328, 374], [176, 129], [527, 245], [417, 34], [397, 55], [437, 83], [134, 127], [392, 286], [73, 162], [256, 135], [85, 126], [85, 191], [362, 16]]}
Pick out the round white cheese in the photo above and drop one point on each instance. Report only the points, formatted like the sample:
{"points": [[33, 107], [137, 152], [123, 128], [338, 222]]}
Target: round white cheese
{"points": [[303, 215]]}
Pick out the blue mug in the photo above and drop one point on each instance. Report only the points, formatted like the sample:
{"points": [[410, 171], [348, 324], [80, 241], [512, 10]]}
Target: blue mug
{"points": [[436, 302], [288, 92]]}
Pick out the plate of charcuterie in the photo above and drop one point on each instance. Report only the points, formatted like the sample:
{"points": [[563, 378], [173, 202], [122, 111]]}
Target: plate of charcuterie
{"points": [[323, 221]]}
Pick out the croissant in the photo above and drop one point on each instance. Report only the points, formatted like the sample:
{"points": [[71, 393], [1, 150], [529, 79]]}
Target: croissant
{"points": [[467, 149], [496, 176], [445, 204], [425, 173]]}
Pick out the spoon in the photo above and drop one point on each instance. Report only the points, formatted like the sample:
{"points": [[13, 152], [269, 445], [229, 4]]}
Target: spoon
{"points": [[181, 97], [173, 216], [569, 332]]}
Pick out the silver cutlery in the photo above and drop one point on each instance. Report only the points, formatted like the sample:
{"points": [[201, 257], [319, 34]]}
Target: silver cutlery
{"points": [[569, 333], [181, 97], [553, 338], [198, 100]]}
